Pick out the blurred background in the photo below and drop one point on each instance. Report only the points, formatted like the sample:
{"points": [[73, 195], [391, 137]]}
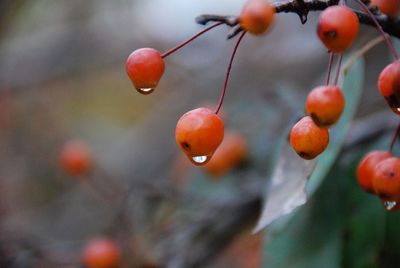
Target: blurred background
{"points": [[62, 79]]}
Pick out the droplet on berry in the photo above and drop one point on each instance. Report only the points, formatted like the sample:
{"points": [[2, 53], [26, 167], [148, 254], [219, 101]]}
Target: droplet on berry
{"points": [[308, 139], [389, 85], [75, 158], [145, 67], [367, 166], [389, 205], [325, 104], [337, 28], [386, 180], [257, 16], [388, 7], [199, 133]]}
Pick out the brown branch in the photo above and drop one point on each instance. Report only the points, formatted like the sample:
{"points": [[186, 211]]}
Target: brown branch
{"points": [[302, 8]]}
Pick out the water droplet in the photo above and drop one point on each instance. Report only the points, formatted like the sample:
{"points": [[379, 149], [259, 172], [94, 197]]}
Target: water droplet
{"points": [[145, 91], [398, 109], [389, 205], [200, 159]]}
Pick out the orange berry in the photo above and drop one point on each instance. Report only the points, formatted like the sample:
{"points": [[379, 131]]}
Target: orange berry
{"points": [[308, 139], [325, 104], [388, 7], [231, 152], [389, 85], [257, 16], [366, 168], [386, 179], [199, 133], [75, 158], [101, 253], [337, 28], [145, 67]]}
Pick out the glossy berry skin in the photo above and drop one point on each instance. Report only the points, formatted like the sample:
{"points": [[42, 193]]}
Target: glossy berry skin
{"points": [[386, 180], [389, 85], [257, 16], [199, 133], [75, 158], [367, 166], [307, 139], [101, 253], [145, 67], [232, 152], [325, 104], [388, 7], [337, 28]]}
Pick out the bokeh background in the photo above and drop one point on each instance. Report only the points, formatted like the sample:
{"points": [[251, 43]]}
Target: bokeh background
{"points": [[62, 78]]}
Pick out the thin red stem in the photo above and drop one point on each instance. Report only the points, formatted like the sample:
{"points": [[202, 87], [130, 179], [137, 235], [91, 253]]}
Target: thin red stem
{"points": [[228, 72], [339, 65], [395, 136], [172, 50], [379, 27], [328, 74]]}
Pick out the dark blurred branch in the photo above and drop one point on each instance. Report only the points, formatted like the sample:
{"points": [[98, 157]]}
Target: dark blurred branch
{"points": [[302, 8]]}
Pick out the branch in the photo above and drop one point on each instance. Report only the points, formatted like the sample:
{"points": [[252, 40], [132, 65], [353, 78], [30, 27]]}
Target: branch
{"points": [[302, 8]]}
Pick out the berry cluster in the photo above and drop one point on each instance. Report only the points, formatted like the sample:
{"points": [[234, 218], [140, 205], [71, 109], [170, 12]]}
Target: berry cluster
{"points": [[200, 132], [337, 28]]}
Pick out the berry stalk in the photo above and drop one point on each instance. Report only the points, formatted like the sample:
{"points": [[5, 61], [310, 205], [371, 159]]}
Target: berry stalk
{"points": [[330, 62], [389, 44], [395, 136], [174, 49], [228, 72], [339, 65]]}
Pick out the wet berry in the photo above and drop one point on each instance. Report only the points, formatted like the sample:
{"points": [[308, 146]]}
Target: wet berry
{"points": [[257, 16], [75, 158], [232, 151], [145, 67], [337, 28], [199, 133], [389, 85], [101, 253], [367, 166], [308, 139], [388, 7], [325, 104], [386, 180]]}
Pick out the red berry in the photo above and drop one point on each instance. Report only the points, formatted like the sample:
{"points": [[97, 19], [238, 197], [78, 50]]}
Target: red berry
{"points": [[232, 151], [389, 85], [257, 16], [75, 158], [386, 179], [199, 133], [367, 166], [325, 104], [388, 7], [308, 139], [337, 28], [145, 68], [101, 253]]}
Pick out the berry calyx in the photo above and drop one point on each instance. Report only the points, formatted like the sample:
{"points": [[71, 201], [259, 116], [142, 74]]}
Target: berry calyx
{"points": [[257, 16], [145, 67], [386, 179], [388, 7], [76, 158], [325, 104], [367, 166], [337, 28], [232, 151], [199, 133], [308, 139], [101, 253], [389, 85]]}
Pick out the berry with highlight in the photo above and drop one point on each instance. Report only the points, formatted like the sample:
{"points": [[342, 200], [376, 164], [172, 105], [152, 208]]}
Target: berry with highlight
{"points": [[257, 16]]}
